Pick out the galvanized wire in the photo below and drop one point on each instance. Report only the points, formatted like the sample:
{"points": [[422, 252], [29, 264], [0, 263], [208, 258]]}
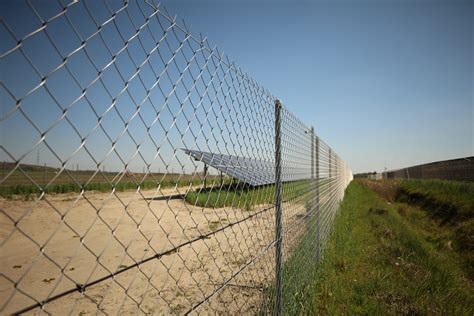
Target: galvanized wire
{"points": [[101, 209]]}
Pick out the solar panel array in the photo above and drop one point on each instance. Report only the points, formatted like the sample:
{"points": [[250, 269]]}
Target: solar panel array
{"points": [[254, 172]]}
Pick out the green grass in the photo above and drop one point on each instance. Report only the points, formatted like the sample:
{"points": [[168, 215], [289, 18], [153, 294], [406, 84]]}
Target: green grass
{"points": [[450, 206], [243, 196], [457, 196], [26, 190], [19, 184], [449, 200], [379, 261], [444, 209]]}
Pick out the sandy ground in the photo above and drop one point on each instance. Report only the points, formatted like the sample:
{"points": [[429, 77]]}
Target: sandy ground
{"points": [[66, 240]]}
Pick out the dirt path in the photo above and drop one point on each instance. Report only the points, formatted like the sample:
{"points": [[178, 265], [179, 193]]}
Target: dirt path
{"points": [[74, 240]]}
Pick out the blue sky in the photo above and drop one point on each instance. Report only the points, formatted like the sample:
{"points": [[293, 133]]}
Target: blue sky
{"points": [[385, 83]]}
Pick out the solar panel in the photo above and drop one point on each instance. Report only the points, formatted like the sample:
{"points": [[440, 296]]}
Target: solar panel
{"points": [[252, 171]]}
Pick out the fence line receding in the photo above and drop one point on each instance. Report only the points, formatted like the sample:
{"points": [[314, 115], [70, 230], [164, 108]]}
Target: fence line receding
{"points": [[142, 171], [460, 169]]}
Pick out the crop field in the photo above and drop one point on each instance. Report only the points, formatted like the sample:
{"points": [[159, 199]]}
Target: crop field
{"points": [[31, 179]]}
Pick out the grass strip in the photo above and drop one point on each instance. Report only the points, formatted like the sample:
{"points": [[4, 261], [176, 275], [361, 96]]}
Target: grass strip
{"points": [[376, 262]]}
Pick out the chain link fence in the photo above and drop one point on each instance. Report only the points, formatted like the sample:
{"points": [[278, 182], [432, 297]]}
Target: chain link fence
{"points": [[461, 169], [105, 208]]}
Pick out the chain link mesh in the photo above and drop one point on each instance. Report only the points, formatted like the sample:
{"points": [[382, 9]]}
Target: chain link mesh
{"points": [[101, 209], [461, 169]]}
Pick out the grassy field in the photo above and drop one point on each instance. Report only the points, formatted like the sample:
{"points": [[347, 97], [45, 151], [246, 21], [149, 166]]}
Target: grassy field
{"points": [[244, 196], [32, 178], [443, 209], [454, 200], [384, 257], [440, 196]]}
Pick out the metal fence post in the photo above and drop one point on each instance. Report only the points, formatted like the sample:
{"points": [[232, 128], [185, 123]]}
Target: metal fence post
{"points": [[278, 276], [330, 156], [312, 152], [336, 174], [318, 215]]}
